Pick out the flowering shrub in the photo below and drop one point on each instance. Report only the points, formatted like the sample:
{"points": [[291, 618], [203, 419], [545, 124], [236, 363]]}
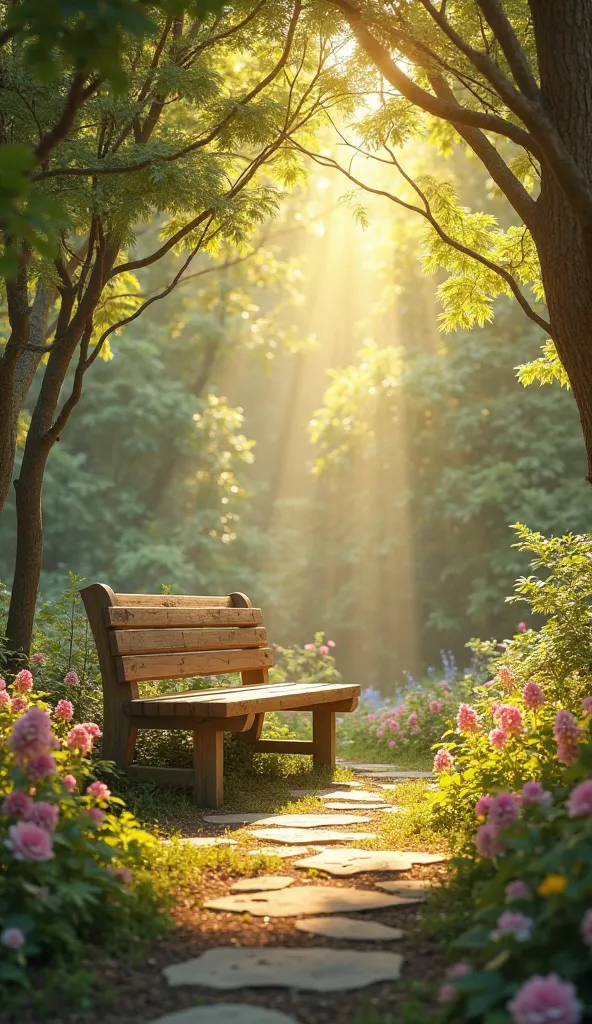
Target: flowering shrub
{"points": [[72, 860], [527, 955]]}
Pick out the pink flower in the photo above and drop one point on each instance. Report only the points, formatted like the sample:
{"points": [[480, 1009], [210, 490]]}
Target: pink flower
{"points": [[506, 678], [80, 739], [98, 790], [64, 710], [509, 718], [31, 734], [522, 627], [391, 744], [444, 684], [45, 815], [513, 923], [579, 803], [323, 649], [96, 815], [443, 761], [5, 701], [371, 718], [567, 753], [533, 695], [483, 805], [71, 678], [412, 720], [23, 682], [587, 705], [19, 704], [487, 842], [503, 811], [379, 733], [2, 683], [38, 658], [448, 993], [467, 720], [93, 730], [124, 874], [566, 728], [309, 647], [458, 970], [70, 783], [533, 794], [498, 738], [331, 643], [29, 842], [517, 890], [42, 766], [17, 804], [586, 928], [435, 706], [545, 1000], [13, 938]]}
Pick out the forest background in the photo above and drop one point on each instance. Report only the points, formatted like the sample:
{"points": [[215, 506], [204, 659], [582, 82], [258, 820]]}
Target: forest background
{"points": [[193, 463]]}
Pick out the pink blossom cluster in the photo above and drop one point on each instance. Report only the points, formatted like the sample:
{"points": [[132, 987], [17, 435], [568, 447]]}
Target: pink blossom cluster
{"points": [[436, 707], [71, 678], [587, 705], [535, 795], [467, 720], [517, 890], [38, 658], [501, 811], [13, 938], [546, 1000], [19, 804], [586, 928], [324, 649], [31, 740], [506, 678], [64, 710], [567, 734], [579, 802], [448, 993], [533, 695], [509, 718], [80, 738], [29, 842], [443, 761], [513, 924], [23, 681], [99, 790]]}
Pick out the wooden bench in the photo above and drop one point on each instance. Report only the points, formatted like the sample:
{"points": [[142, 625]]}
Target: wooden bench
{"points": [[145, 637]]}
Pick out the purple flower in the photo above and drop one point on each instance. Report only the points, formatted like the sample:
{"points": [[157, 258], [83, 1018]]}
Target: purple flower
{"points": [[512, 923], [503, 811], [534, 795], [546, 1000], [17, 804], [13, 938], [533, 695], [517, 890]]}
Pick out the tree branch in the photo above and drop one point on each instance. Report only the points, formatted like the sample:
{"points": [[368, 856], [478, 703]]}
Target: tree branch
{"points": [[77, 96], [503, 31]]}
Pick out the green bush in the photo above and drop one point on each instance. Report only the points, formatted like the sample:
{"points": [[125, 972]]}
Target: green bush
{"points": [[73, 861]]}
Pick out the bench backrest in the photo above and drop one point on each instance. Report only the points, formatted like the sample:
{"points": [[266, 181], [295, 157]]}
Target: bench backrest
{"points": [[143, 637]]}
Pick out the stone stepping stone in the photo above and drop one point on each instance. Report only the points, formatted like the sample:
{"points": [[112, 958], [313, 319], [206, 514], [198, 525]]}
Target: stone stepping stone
{"points": [[348, 928], [308, 969], [361, 794], [286, 820], [226, 1013], [344, 863], [307, 836], [303, 899], [397, 775], [341, 805], [416, 889], [363, 766], [209, 841], [264, 883], [280, 851]]}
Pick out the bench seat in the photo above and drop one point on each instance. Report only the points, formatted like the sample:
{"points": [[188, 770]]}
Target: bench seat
{"points": [[144, 637]]}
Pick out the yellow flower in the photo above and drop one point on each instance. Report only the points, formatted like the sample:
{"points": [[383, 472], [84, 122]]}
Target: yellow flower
{"points": [[552, 884]]}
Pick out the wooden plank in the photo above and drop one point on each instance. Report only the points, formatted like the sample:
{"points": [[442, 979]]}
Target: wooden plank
{"points": [[323, 738], [162, 776], [283, 746], [126, 617], [236, 723], [173, 601], [164, 641], [208, 768], [350, 704], [138, 667], [238, 700]]}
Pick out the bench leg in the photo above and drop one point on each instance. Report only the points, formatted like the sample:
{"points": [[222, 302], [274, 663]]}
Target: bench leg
{"points": [[323, 739], [119, 741], [208, 767]]}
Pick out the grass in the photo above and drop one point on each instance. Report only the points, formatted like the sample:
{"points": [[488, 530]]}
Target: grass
{"points": [[413, 827]]}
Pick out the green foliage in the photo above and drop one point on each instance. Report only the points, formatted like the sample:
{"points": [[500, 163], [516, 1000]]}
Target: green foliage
{"points": [[546, 369]]}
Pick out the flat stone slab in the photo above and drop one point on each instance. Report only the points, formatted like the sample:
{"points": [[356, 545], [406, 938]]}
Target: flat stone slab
{"points": [[416, 889], [264, 883], [344, 863], [341, 805], [210, 841], [303, 899], [348, 928], [226, 1013], [363, 795], [311, 970], [286, 820], [280, 851], [388, 774], [363, 766], [308, 836]]}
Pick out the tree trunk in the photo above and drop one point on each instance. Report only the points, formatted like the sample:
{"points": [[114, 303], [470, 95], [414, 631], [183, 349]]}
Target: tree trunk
{"points": [[29, 547], [563, 33]]}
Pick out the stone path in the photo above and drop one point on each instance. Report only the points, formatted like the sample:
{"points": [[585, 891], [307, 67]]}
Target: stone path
{"points": [[310, 909]]}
